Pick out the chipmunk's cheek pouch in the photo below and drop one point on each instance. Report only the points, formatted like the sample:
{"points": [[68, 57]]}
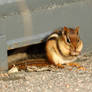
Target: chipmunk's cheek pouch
{"points": [[65, 51], [63, 48], [80, 46]]}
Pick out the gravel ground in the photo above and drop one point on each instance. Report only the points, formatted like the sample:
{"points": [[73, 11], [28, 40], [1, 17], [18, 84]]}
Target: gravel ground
{"points": [[69, 79]]}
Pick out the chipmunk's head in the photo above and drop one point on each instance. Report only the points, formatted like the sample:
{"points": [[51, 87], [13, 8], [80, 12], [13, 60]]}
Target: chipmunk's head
{"points": [[71, 45]]}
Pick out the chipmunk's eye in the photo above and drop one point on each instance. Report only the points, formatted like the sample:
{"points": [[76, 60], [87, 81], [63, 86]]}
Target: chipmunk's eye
{"points": [[78, 40], [68, 40]]}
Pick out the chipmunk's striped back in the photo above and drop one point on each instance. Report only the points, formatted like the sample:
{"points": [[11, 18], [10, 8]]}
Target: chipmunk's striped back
{"points": [[55, 35]]}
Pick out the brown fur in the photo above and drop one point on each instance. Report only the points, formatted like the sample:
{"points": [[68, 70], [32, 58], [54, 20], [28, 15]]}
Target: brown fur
{"points": [[66, 46]]}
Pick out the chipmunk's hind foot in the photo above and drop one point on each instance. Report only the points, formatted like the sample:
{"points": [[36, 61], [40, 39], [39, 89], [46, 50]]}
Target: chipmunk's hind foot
{"points": [[60, 66], [78, 66]]}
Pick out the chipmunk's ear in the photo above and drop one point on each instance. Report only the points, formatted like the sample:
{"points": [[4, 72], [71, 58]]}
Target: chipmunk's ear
{"points": [[65, 30], [77, 29]]}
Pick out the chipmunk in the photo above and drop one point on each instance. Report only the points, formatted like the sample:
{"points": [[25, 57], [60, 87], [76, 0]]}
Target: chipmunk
{"points": [[63, 46]]}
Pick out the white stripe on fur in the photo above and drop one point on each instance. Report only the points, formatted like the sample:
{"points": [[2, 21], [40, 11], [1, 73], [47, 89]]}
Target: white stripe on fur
{"points": [[53, 35]]}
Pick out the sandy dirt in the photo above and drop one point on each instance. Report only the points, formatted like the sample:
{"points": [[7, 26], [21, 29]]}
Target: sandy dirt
{"points": [[52, 79]]}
